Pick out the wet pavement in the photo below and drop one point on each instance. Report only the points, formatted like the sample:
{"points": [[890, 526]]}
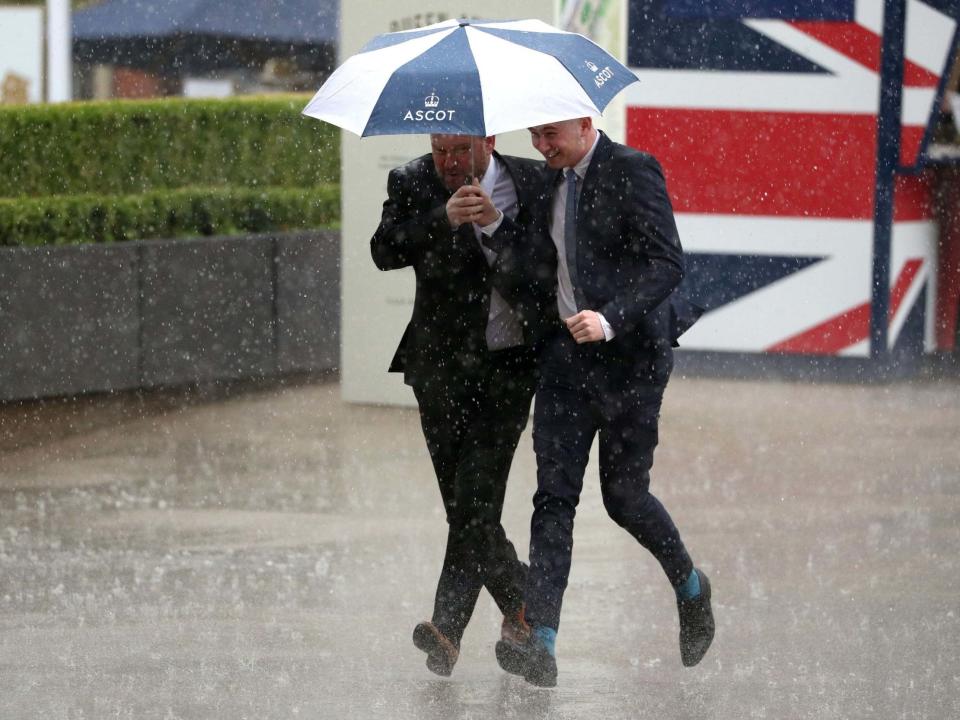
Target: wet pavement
{"points": [[265, 553]]}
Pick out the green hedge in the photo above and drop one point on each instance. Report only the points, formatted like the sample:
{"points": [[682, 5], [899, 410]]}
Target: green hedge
{"points": [[127, 147], [165, 214]]}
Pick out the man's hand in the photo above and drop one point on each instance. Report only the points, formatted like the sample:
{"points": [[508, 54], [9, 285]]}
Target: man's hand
{"points": [[470, 204], [585, 327]]}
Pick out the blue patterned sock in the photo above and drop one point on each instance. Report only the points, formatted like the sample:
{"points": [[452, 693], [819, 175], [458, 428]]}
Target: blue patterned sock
{"points": [[690, 587], [548, 636]]}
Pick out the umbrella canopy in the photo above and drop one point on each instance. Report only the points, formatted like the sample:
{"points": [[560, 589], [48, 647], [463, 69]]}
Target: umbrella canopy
{"points": [[469, 77]]}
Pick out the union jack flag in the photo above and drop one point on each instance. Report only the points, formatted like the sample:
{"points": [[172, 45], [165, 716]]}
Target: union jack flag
{"points": [[764, 116]]}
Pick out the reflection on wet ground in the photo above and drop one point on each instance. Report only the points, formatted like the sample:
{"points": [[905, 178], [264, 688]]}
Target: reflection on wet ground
{"points": [[265, 553]]}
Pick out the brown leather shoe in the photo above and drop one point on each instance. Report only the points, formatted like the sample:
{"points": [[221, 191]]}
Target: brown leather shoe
{"points": [[441, 653], [514, 628]]}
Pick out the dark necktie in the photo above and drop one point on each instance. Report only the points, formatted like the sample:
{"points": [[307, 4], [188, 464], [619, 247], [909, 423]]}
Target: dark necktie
{"points": [[570, 237]]}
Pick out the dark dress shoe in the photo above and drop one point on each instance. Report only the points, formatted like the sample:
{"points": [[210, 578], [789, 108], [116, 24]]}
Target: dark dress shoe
{"points": [[510, 656], [531, 660], [441, 653], [514, 628], [696, 624]]}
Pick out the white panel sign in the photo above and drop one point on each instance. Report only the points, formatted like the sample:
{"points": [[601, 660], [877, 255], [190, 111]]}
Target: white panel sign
{"points": [[377, 305], [21, 55]]}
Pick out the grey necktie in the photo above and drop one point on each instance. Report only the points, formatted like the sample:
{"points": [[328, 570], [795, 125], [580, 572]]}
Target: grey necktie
{"points": [[570, 237]]}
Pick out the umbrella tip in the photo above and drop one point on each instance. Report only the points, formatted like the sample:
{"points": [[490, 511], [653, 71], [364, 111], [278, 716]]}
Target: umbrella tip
{"points": [[464, 23]]}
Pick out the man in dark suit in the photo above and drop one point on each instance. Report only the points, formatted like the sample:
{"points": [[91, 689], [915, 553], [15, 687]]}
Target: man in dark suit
{"points": [[458, 218], [616, 260]]}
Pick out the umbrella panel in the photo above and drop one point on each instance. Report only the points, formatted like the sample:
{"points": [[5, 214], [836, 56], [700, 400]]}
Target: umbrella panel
{"points": [[436, 92], [395, 38], [541, 91], [597, 72]]}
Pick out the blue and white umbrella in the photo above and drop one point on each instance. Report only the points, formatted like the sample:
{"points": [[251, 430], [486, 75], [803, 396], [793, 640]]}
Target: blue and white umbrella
{"points": [[468, 77]]}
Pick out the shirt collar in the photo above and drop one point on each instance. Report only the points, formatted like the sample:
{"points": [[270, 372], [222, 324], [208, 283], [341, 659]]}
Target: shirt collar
{"points": [[581, 167], [489, 180]]}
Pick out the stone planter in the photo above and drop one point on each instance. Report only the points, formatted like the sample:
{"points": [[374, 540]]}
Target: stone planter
{"points": [[93, 318]]}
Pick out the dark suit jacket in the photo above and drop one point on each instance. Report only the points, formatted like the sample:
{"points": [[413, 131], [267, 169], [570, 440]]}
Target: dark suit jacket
{"points": [[629, 256], [446, 336]]}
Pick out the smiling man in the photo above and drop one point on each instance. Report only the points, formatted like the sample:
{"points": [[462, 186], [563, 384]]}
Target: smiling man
{"points": [[458, 217], [603, 372]]}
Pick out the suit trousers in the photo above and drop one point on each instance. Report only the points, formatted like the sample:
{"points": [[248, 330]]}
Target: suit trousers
{"points": [[472, 427], [584, 391]]}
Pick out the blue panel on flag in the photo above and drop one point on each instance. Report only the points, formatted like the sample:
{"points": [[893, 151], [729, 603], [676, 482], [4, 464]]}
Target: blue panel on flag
{"points": [[836, 10], [713, 280], [912, 332], [657, 41], [947, 7]]}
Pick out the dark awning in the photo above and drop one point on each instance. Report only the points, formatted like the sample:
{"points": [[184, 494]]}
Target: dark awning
{"points": [[206, 33], [291, 21]]}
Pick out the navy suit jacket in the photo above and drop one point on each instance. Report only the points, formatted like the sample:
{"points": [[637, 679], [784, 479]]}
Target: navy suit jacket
{"points": [[629, 257], [446, 335]]}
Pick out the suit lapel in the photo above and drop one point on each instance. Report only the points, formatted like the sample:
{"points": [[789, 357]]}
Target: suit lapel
{"points": [[588, 194]]}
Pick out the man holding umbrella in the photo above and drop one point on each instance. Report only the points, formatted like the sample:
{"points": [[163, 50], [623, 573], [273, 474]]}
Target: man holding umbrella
{"points": [[617, 260], [457, 216]]}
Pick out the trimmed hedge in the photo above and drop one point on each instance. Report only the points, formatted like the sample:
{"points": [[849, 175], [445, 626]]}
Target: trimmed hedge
{"points": [[71, 219], [122, 170], [127, 147]]}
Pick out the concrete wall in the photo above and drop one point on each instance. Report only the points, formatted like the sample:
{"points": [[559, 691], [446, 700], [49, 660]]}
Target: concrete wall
{"points": [[94, 318]]}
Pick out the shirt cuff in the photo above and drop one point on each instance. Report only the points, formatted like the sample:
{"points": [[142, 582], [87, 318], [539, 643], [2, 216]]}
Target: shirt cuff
{"points": [[490, 229], [608, 333]]}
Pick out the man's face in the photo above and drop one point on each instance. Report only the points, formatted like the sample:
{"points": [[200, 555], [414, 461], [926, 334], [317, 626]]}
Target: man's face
{"points": [[452, 157], [563, 144]]}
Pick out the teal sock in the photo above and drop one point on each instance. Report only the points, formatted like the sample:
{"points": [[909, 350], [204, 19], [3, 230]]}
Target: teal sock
{"points": [[690, 587], [548, 636]]}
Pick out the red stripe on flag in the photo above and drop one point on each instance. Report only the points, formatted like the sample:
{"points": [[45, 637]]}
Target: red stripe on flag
{"points": [[863, 47], [913, 197], [767, 163], [850, 327], [830, 337], [911, 137], [761, 163]]}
